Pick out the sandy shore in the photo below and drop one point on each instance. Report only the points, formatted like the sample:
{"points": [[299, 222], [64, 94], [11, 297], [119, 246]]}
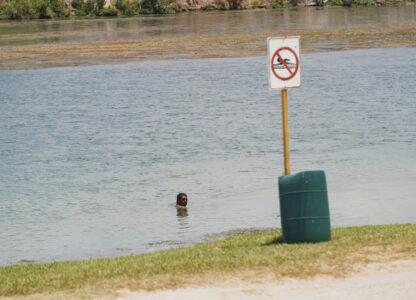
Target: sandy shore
{"points": [[106, 52], [395, 280]]}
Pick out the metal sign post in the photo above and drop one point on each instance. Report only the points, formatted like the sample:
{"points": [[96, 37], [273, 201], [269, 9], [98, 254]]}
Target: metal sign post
{"points": [[285, 126], [284, 73]]}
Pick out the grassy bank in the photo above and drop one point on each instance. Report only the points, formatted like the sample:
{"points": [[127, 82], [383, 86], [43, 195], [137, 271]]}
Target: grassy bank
{"points": [[248, 257]]}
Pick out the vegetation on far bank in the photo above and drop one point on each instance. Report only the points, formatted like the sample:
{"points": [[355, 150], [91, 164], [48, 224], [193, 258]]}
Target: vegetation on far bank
{"points": [[251, 257], [48, 9]]}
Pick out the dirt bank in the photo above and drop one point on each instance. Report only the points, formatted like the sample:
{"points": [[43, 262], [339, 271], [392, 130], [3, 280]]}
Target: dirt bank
{"points": [[396, 280]]}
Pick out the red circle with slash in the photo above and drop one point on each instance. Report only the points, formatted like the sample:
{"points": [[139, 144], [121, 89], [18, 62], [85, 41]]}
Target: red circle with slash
{"points": [[280, 59]]}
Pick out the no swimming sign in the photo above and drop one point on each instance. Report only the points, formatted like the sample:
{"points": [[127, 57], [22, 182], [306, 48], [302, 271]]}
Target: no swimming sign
{"points": [[284, 62]]}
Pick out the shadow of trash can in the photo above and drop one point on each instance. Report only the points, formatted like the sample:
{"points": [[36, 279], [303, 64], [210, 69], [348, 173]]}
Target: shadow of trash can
{"points": [[304, 208]]}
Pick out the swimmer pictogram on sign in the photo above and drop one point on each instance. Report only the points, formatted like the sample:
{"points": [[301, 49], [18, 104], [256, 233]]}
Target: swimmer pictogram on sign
{"points": [[284, 63]]}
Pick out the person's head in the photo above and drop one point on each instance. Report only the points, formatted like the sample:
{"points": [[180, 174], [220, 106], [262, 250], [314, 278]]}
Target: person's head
{"points": [[182, 199]]}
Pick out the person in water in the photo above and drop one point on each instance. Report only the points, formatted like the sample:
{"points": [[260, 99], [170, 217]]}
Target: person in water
{"points": [[181, 201]]}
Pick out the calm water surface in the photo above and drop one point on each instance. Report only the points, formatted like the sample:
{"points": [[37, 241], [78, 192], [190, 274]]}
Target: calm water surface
{"points": [[91, 158], [197, 24]]}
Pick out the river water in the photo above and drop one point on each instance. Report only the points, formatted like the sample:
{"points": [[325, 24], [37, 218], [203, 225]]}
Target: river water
{"points": [[91, 158], [197, 24]]}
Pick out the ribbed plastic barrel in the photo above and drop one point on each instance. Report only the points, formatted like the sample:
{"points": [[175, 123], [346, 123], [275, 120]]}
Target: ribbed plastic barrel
{"points": [[304, 208]]}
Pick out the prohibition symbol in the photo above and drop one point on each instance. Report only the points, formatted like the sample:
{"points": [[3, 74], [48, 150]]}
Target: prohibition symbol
{"points": [[285, 63]]}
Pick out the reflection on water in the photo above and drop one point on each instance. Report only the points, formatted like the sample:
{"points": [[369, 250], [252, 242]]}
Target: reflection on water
{"points": [[201, 24], [181, 213], [92, 158], [183, 223]]}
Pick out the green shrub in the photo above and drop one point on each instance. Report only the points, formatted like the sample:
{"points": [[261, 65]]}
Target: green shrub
{"points": [[34, 9], [24, 9], [126, 7], [110, 12], [80, 13], [88, 7], [255, 4], [335, 3], [46, 13], [77, 4], [100, 4], [58, 7], [166, 7], [158, 7], [362, 2], [279, 4]]}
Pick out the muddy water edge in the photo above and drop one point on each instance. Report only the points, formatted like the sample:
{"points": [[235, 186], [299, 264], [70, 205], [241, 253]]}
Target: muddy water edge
{"points": [[52, 43]]}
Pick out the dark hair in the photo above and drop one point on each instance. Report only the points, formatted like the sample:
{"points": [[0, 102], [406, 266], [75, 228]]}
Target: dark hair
{"points": [[179, 197]]}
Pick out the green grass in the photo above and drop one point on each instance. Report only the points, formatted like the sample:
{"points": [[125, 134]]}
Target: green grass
{"points": [[244, 257]]}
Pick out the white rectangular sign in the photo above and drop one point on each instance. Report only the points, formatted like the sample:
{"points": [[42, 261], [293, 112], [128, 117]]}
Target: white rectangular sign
{"points": [[284, 62]]}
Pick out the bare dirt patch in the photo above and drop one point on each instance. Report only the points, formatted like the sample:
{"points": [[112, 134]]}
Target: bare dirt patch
{"points": [[394, 280]]}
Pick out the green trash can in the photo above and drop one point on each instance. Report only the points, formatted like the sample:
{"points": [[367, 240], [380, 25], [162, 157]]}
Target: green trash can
{"points": [[304, 209]]}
